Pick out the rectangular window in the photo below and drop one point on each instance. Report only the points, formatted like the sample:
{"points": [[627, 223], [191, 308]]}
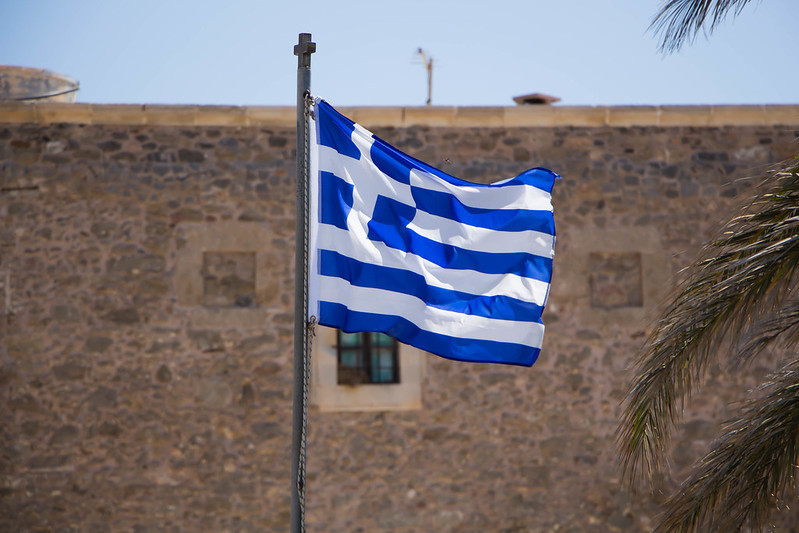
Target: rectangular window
{"points": [[367, 358]]}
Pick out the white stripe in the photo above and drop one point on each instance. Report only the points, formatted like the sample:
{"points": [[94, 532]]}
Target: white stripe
{"points": [[469, 281], [507, 197], [447, 231], [449, 323]]}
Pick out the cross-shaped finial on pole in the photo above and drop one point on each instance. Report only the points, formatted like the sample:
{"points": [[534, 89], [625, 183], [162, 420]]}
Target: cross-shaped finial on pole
{"points": [[303, 50]]}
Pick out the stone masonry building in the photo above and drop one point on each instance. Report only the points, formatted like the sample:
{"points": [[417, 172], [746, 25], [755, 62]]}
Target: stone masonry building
{"points": [[146, 309]]}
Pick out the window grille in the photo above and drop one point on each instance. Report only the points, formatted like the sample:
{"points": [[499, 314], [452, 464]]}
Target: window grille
{"points": [[367, 358]]}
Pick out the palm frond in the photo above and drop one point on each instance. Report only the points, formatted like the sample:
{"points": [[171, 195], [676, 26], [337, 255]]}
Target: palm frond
{"points": [[678, 21], [781, 326], [742, 275], [748, 469]]}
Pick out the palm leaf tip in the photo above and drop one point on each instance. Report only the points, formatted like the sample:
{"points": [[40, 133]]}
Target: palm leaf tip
{"points": [[679, 21]]}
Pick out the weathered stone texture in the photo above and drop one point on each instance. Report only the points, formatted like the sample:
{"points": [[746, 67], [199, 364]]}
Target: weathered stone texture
{"points": [[127, 406], [615, 279], [229, 279]]}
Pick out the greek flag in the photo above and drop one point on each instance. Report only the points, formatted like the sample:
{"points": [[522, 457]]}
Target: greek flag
{"points": [[458, 269]]}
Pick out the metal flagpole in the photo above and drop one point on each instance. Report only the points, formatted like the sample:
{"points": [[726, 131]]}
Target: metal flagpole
{"points": [[303, 51]]}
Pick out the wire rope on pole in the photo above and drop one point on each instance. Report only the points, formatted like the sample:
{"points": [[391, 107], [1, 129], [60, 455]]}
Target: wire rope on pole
{"points": [[303, 51]]}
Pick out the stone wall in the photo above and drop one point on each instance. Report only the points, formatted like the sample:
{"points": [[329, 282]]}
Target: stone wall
{"points": [[147, 285]]}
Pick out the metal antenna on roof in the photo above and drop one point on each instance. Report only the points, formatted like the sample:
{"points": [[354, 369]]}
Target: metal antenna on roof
{"points": [[428, 63]]}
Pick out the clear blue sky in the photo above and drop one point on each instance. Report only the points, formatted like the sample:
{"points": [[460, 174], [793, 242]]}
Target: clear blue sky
{"points": [[240, 52]]}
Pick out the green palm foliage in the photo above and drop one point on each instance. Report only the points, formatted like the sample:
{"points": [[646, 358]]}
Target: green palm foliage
{"points": [[740, 296], [678, 21]]}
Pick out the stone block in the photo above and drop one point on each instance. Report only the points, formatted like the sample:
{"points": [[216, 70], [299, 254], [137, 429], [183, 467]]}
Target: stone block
{"points": [[633, 116], [126, 316], [221, 116], [122, 114], [271, 116], [737, 115], [781, 114], [206, 340], [65, 435], [547, 116], [371, 117], [102, 398], [13, 113], [267, 430], [694, 115], [71, 370], [170, 115], [57, 113], [483, 117], [429, 116]]}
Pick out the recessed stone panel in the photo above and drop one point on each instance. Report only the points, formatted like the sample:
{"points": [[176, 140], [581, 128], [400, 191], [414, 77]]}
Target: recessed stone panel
{"points": [[328, 395], [229, 279], [615, 279]]}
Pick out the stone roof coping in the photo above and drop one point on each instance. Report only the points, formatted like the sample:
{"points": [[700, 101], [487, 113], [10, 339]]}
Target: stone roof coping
{"points": [[433, 116]]}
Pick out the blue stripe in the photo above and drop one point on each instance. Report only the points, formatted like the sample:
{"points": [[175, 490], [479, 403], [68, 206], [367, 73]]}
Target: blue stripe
{"points": [[335, 130], [391, 162], [335, 200], [539, 177], [449, 206], [470, 350], [403, 281], [389, 225]]}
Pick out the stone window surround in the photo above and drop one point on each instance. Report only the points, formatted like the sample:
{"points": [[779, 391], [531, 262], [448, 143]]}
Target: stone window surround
{"points": [[328, 395], [199, 238], [572, 262]]}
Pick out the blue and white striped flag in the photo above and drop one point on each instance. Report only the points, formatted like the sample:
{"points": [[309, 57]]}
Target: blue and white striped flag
{"points": [[458, 269]]}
